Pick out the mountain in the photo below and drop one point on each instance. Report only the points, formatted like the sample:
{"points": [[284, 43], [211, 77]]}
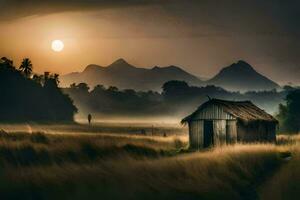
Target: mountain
{"points": [[241, 76], [124, 75]]}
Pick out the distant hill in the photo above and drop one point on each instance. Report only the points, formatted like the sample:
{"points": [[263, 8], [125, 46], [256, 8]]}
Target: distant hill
{"points": [[124, 75], [241, 76]]}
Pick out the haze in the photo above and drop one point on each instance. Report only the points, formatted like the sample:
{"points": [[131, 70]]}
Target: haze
{"points": [[200, 36]]}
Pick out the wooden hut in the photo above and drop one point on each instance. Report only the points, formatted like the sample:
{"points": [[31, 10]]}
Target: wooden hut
{"points": [[218, 122]]}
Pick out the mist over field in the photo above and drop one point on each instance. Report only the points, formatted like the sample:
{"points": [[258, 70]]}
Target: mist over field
{"points": [[176, 100]]}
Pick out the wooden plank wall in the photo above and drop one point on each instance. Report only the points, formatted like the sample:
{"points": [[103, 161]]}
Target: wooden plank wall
{"points": [[231, 131], [258, 132], [219, 132], [220, 118], [272, 132], [196, 134]]}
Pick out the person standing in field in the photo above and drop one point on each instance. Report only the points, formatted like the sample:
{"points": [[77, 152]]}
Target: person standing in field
{"points": [[89, 118]]}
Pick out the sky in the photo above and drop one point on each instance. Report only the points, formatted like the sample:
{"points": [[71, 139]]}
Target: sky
{"points": [[201, 36]]}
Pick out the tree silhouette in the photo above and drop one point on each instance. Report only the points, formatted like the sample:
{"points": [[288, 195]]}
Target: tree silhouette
{"points": [[56, 78], [26, 67], [51, 81], [289, 114], [6, 62], [83, 87], [177, 98], [99, 88], [113, 89], [38, 99], [38, 78]]}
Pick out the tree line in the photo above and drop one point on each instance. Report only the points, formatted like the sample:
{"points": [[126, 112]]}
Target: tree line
{"points": [[26, 96], [176, 99]]}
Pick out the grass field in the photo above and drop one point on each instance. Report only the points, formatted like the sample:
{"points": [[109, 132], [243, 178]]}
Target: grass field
{"points": [[108, 161], [285, 184]]}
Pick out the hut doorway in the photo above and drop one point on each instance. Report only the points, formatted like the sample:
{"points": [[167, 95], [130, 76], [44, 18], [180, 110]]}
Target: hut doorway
{"points": [[208, 133]]}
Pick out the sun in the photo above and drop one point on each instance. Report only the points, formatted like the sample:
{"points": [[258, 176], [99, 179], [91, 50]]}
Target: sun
{"points": [[57, 45]]}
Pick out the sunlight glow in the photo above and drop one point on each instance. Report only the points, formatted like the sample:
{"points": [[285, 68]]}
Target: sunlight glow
{"points": [[57, 45]]}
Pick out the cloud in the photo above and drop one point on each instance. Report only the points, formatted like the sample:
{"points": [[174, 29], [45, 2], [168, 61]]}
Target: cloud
{"points": [[250, 17], [192, 18], [12, 9]]}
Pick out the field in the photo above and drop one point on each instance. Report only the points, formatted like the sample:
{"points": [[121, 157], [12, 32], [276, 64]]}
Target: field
{"points": [[140, 161]]}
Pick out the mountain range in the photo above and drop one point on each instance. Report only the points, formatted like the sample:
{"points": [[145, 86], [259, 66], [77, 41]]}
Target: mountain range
{"points": [[239, 76]]}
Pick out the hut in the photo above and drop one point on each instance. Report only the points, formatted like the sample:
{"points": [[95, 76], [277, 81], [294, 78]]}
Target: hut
{"points": [[218, 122]]}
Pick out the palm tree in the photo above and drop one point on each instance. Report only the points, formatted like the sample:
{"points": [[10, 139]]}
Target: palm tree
{"points": [[26, 67]]}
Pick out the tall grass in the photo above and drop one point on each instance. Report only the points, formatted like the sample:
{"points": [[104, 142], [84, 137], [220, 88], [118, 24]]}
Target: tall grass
{"points": [[229, 174], [43, 149], [42, 166], [285, 184]]}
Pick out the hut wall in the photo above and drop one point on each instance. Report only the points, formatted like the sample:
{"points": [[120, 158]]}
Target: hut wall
{"points": [[231, 131], [219, 132], [267, 131], [262, 132], [219, 117], [257, 132], [196, 134], [247, 133], [271, 127]]}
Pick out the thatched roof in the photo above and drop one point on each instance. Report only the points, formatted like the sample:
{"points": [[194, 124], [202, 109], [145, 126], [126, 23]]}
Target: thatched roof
{"points": [[244, 111]]}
